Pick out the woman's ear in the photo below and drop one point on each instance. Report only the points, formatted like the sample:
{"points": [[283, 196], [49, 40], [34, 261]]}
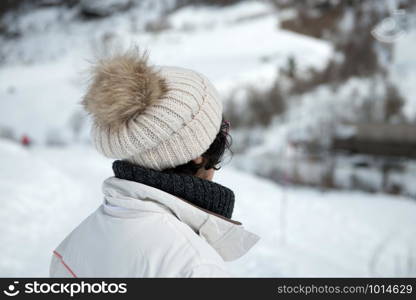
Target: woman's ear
{"points": [[198, 160], [202, 172]]}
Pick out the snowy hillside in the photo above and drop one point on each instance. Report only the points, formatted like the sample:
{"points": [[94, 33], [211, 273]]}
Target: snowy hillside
{"points": [[52, 78], [304, 232]]}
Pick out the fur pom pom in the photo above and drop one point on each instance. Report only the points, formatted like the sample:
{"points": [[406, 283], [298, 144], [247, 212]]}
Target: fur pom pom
{"points": [[121, 88]]}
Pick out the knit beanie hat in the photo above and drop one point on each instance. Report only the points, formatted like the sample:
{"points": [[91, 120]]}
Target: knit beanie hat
{"points": [[155, 117]]}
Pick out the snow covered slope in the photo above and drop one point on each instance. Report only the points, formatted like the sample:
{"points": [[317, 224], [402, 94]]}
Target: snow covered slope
{"points": [[33, 197], [44, 78], [310, 233], [45, 192]]}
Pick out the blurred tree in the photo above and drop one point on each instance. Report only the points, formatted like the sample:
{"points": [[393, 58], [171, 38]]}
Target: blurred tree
{"points": [[55, 138], [393, 104], [76, 122], [7, 133]]}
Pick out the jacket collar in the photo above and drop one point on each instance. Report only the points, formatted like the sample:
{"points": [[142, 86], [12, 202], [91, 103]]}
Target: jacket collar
{"points": [[229, 239]]}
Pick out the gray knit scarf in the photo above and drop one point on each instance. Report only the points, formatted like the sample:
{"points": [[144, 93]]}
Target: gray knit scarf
{"points": [[200, 192]]}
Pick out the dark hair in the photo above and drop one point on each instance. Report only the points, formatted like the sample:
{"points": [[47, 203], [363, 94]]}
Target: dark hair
{"points": [[212, 157]]}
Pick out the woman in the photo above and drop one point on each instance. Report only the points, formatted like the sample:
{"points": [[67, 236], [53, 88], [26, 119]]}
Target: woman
{"points": [[162, 216]]}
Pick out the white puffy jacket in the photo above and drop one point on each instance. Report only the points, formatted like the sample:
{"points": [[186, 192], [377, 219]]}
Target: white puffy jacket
{"points": [[140, 231]]}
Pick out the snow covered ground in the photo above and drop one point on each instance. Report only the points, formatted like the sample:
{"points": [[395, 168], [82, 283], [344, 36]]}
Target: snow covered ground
{"points": [[46, 192]]}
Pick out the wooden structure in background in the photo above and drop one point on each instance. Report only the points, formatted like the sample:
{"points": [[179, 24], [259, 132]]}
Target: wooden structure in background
{"points": [[398, 140]]}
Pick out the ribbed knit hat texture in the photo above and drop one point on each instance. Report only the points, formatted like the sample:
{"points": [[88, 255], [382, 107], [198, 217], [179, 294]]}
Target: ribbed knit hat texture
{"points": [[155, 117]]}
